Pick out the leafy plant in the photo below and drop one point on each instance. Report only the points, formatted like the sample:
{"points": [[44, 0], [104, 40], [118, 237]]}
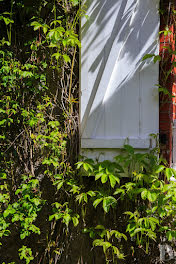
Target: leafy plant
{"points": [[107, 239], [34, 130], [151, 196], [26, 254], [38, 133]]}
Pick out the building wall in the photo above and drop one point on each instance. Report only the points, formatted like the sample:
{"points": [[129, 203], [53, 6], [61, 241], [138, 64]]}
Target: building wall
{"points": [[119, 97]]}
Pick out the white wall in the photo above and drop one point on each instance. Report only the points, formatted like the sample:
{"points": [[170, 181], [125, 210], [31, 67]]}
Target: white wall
{"points": [[119, 99]]}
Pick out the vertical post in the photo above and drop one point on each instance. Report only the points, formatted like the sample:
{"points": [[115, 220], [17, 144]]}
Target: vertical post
{"points": [[174, 144], [167, 102]]}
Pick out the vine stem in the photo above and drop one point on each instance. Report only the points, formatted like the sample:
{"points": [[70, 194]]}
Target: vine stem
{"points": [[71, 75], [14, 141], [10, 30]]}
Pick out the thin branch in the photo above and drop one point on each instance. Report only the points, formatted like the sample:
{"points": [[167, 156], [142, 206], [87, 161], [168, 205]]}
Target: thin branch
{"points": [[14, 141]]}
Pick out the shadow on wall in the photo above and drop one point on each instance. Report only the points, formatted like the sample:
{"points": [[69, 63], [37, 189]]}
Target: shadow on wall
{"points": [[116, 85]]}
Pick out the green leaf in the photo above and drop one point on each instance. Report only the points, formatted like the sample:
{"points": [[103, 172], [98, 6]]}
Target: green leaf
{"points": [[160, 168], [87, 167], [75, 220], [157, 58], [79, 164], [22, 236], [168, 173], [3, 176], [36, 25], [2, 122], [66, 219], [144, 194], [51, 217], [113, 180], [75, 2], [99, 175], [59, 185], [169, 235], [106, 245], [6, 213], [152, 196], [98, 242], [101, 227], [45, 28], [129, 149], [91, 193], [148, 56], [107, 202], [66, 58], [97, 201], [104, 178], [130, 214], [56, 55], [119, 190], [174, 172]]}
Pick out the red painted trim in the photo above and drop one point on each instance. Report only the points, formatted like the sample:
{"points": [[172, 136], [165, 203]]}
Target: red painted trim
{"points": [[167, 112]]}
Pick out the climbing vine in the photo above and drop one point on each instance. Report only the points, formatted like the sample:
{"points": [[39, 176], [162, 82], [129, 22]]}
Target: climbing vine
{"points": [[38, 121], [48, 198]]}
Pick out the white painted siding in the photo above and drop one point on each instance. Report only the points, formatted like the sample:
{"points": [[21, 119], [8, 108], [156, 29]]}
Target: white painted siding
{"points": [[119, 98]]}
